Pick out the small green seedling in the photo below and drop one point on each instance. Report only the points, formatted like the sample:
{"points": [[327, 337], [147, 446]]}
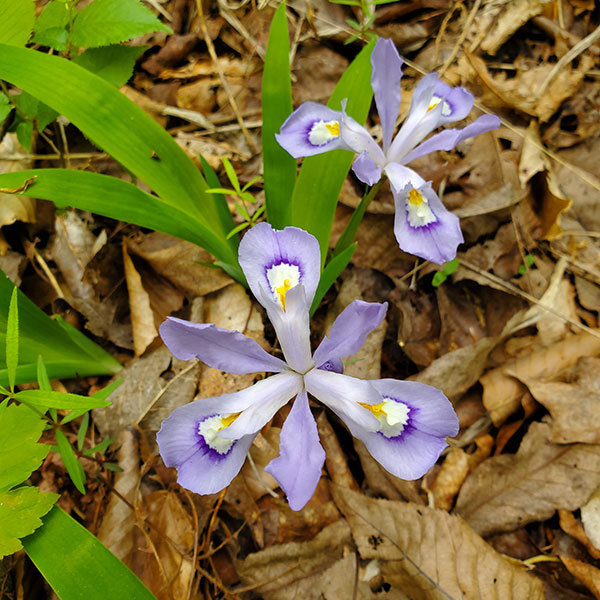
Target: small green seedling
{"points": [[447, 269]]}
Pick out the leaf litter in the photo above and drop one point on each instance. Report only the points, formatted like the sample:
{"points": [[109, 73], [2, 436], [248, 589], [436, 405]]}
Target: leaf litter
{"points": [[504, 336]]}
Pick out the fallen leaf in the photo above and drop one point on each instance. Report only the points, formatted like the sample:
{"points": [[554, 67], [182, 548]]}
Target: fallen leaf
{"points": [[292, 570], [450, 477], [335, 458], [570, 525], [429, 554], [586, 573], [590, 517], [508, 491], [142, 317]]}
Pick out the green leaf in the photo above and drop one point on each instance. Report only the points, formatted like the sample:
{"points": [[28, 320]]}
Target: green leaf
{"points": [[20, 514], [438, 278], [50, 27], [42, 375], [101, 447], [12, 339], [105, 22], [66, 351], [60, 400], [73, 466], [231, 174], [330, 273], [25, 134], [122, 129], [278, 166], [16, 21], [112, 63], [83, 430], [117, 199], [20, 454], [451, 266], [86, 570], [5, 106], [321, 177]]}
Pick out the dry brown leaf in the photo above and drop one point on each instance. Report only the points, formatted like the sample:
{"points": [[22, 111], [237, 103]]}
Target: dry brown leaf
{"points": [[142, 317], [588, 293], [586, 573], [570, 525], [450, 477], [508, 491], [118, 523], [292, 570], [429, 554], [12, 207], [13, 264], [514, 15], [181, 263], [163, 558], [335, 458], [590, 517], [502, 392]]}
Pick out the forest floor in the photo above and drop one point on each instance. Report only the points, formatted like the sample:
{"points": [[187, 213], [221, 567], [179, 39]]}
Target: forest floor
{"points": [[512, 508]]}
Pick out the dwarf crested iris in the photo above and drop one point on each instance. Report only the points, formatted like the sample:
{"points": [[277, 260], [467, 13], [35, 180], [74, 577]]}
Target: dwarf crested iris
{"points": [[402, 423], [423, 226]]}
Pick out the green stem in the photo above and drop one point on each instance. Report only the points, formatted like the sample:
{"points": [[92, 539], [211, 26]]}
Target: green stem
{"points": [[348, 235]]}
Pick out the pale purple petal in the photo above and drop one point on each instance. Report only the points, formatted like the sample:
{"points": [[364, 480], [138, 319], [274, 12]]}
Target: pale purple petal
{"points": [[342, 394], [297, 469], [268, 257], [358, 139], [305, 131], [292, 327], [229, 351], [450, 138], [430, 418], [336, 365], [420, 121], [401, 176], [271, 394], [349, 331], [365, 169], [457, 102], [436, 241], [385, 81], [432, 412]]}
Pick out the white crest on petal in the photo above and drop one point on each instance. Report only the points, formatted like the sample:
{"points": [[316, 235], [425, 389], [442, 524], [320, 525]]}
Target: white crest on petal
{"points": [[393, 416], [322, 132], [446, 108], [418, 211], [282, 277], [209, 428]]}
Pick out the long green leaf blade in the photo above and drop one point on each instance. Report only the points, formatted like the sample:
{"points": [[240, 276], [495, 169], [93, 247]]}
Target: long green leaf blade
{"points": [[117, 199], [278, 166], [77, 565], [321, 177], [12, 339], [73, 466], [115, 124], [60, 400]]}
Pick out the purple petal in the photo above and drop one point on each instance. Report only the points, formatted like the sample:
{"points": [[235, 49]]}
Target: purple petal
{"points": [[311, 129], [385, 81], [450, 138], [343, 395], [435, 240], [270, 258], [297, 469], [349, 331], [335, 365], [271, 394], [292, 327], [358, 139], [229, 351], [432, 411], [365, 169], [457, 102], [430, 418]]}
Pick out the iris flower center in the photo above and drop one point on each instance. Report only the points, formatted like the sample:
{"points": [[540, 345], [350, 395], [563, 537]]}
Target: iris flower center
{"points": [[282, 278], [210, 427], [322, 132], [392, 415], [419, 213], [281, 291]]}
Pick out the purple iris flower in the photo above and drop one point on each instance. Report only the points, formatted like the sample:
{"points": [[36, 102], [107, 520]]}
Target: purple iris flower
{"points": [[422, 225], [403, 424]]}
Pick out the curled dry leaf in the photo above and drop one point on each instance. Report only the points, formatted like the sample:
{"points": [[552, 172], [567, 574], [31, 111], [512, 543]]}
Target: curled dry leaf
{"points": [[429, 554], [508, 491], [450, 477], [142, 317], [590, 517], [586, 573], [335, 458], [570, 525], [502, 392], [118, 524], [295, 569]]}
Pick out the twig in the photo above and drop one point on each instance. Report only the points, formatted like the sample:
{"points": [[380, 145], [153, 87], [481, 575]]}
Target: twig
{"points": [[573, 53], [224, 82], [44, 266]]}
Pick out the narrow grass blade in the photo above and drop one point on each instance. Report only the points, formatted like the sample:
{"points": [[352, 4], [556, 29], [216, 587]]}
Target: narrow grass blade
{"points": [[12, 340], [321, 177], [278, 166], [60, 400], [77, 565], [73, 466]]}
